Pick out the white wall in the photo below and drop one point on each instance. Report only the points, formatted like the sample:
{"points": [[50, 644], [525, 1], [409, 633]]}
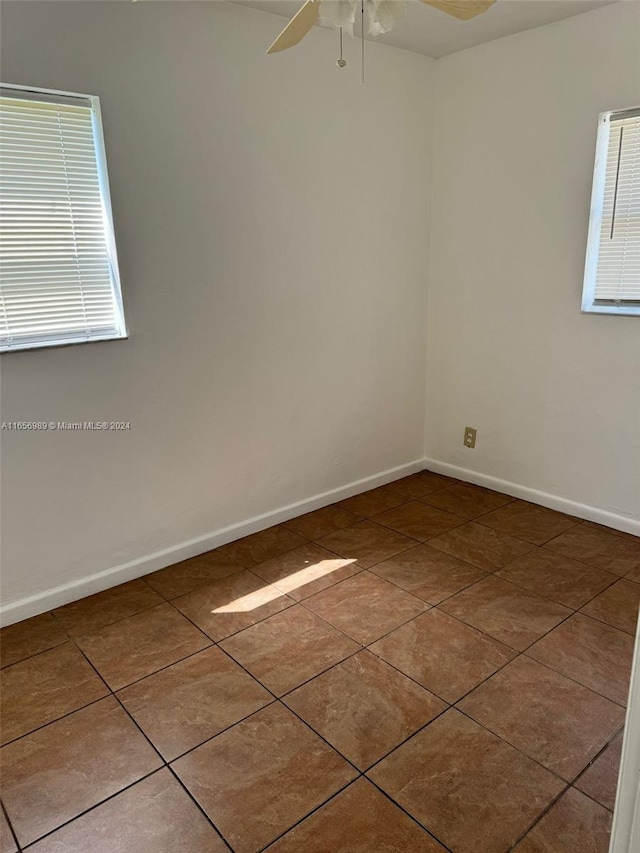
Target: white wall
{"points": [[554, 394], [272, 220]]}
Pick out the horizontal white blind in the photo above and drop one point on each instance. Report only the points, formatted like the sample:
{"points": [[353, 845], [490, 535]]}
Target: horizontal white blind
{"points": [[618, 270], [58, 280]]}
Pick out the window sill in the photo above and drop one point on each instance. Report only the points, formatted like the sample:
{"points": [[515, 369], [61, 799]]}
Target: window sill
{"points": [[59, 344]]}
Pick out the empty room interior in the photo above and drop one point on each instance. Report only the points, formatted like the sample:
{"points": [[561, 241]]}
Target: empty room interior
{"points": [[320, 445]]}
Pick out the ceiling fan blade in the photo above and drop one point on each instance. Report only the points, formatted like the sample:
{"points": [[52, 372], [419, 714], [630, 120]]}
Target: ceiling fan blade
{"points": [[462, 9], [298, 27]]}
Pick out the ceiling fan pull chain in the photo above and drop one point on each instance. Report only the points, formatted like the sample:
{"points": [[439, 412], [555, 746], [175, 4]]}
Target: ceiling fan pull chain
{"points": [[362, 39], [341, 62]]}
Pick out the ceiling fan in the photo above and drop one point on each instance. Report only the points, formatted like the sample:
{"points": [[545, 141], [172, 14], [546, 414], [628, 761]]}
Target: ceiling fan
{"points": [[382, 14]]}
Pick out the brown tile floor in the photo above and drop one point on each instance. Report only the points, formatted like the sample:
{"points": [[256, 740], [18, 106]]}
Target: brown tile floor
{"points": [[428, 666]]}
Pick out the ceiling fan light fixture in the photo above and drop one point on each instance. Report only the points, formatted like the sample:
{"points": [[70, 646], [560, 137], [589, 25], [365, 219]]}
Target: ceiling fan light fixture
{"points": [[381, 16]]}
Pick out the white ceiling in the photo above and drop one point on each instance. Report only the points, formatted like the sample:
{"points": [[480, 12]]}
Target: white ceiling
{"points": [[433, 33]]}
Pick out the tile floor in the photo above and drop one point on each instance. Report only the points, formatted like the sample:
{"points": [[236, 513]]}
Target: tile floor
{"points": [[424, 667]]}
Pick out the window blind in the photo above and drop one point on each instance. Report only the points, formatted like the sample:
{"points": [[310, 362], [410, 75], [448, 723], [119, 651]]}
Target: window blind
{"points": [[58, 271], [618, 267]]}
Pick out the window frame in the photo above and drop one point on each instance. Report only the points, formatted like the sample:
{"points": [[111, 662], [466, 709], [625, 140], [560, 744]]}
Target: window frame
{"points": [[589, 305], [93, 101]]}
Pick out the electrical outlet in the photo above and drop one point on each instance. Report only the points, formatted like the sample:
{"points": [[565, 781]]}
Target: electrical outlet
{"points": [[469, 437]]}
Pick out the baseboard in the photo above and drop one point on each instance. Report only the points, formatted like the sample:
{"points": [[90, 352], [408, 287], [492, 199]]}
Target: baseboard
{"points": [[590, 513], [40, 602]]}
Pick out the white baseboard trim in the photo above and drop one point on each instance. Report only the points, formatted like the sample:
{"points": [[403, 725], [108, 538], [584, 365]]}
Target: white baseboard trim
{"points": [[40, 602], [590, 513]]}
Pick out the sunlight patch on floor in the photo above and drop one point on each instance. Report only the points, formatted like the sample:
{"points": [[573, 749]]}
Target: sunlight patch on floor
{"points": [[294, 581]]}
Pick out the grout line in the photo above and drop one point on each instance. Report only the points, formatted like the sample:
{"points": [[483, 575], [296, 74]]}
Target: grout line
{"points": [[372, 519], [165, 763], [75, 710], [409, 737], [589, 797], [570, 678], [521, 651], [602, 528], [10, 825], [507, 743], [108, 624], [111, 691], [537, 640], [553, 536], [272, 701], [199, 807], [294, 603], [168, 599], [92, 808], [438, 488], [57, 719], [597, 756], [358, 570], [517, 748], [376, 520], [495, 639], [403, 498], [546, 597], [542, 814], [407, 813], [117, 699], [76, 637], [386, 634], [546, 548], [115, 690], [602, 622], [35, 654], [234, 633], [313, 539], [302, 683], [475, 519], [569, 786], [312, 812]]}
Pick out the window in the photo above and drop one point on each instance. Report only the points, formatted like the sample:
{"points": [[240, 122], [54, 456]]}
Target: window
{"points": [[59, 279], [612, 272]]}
